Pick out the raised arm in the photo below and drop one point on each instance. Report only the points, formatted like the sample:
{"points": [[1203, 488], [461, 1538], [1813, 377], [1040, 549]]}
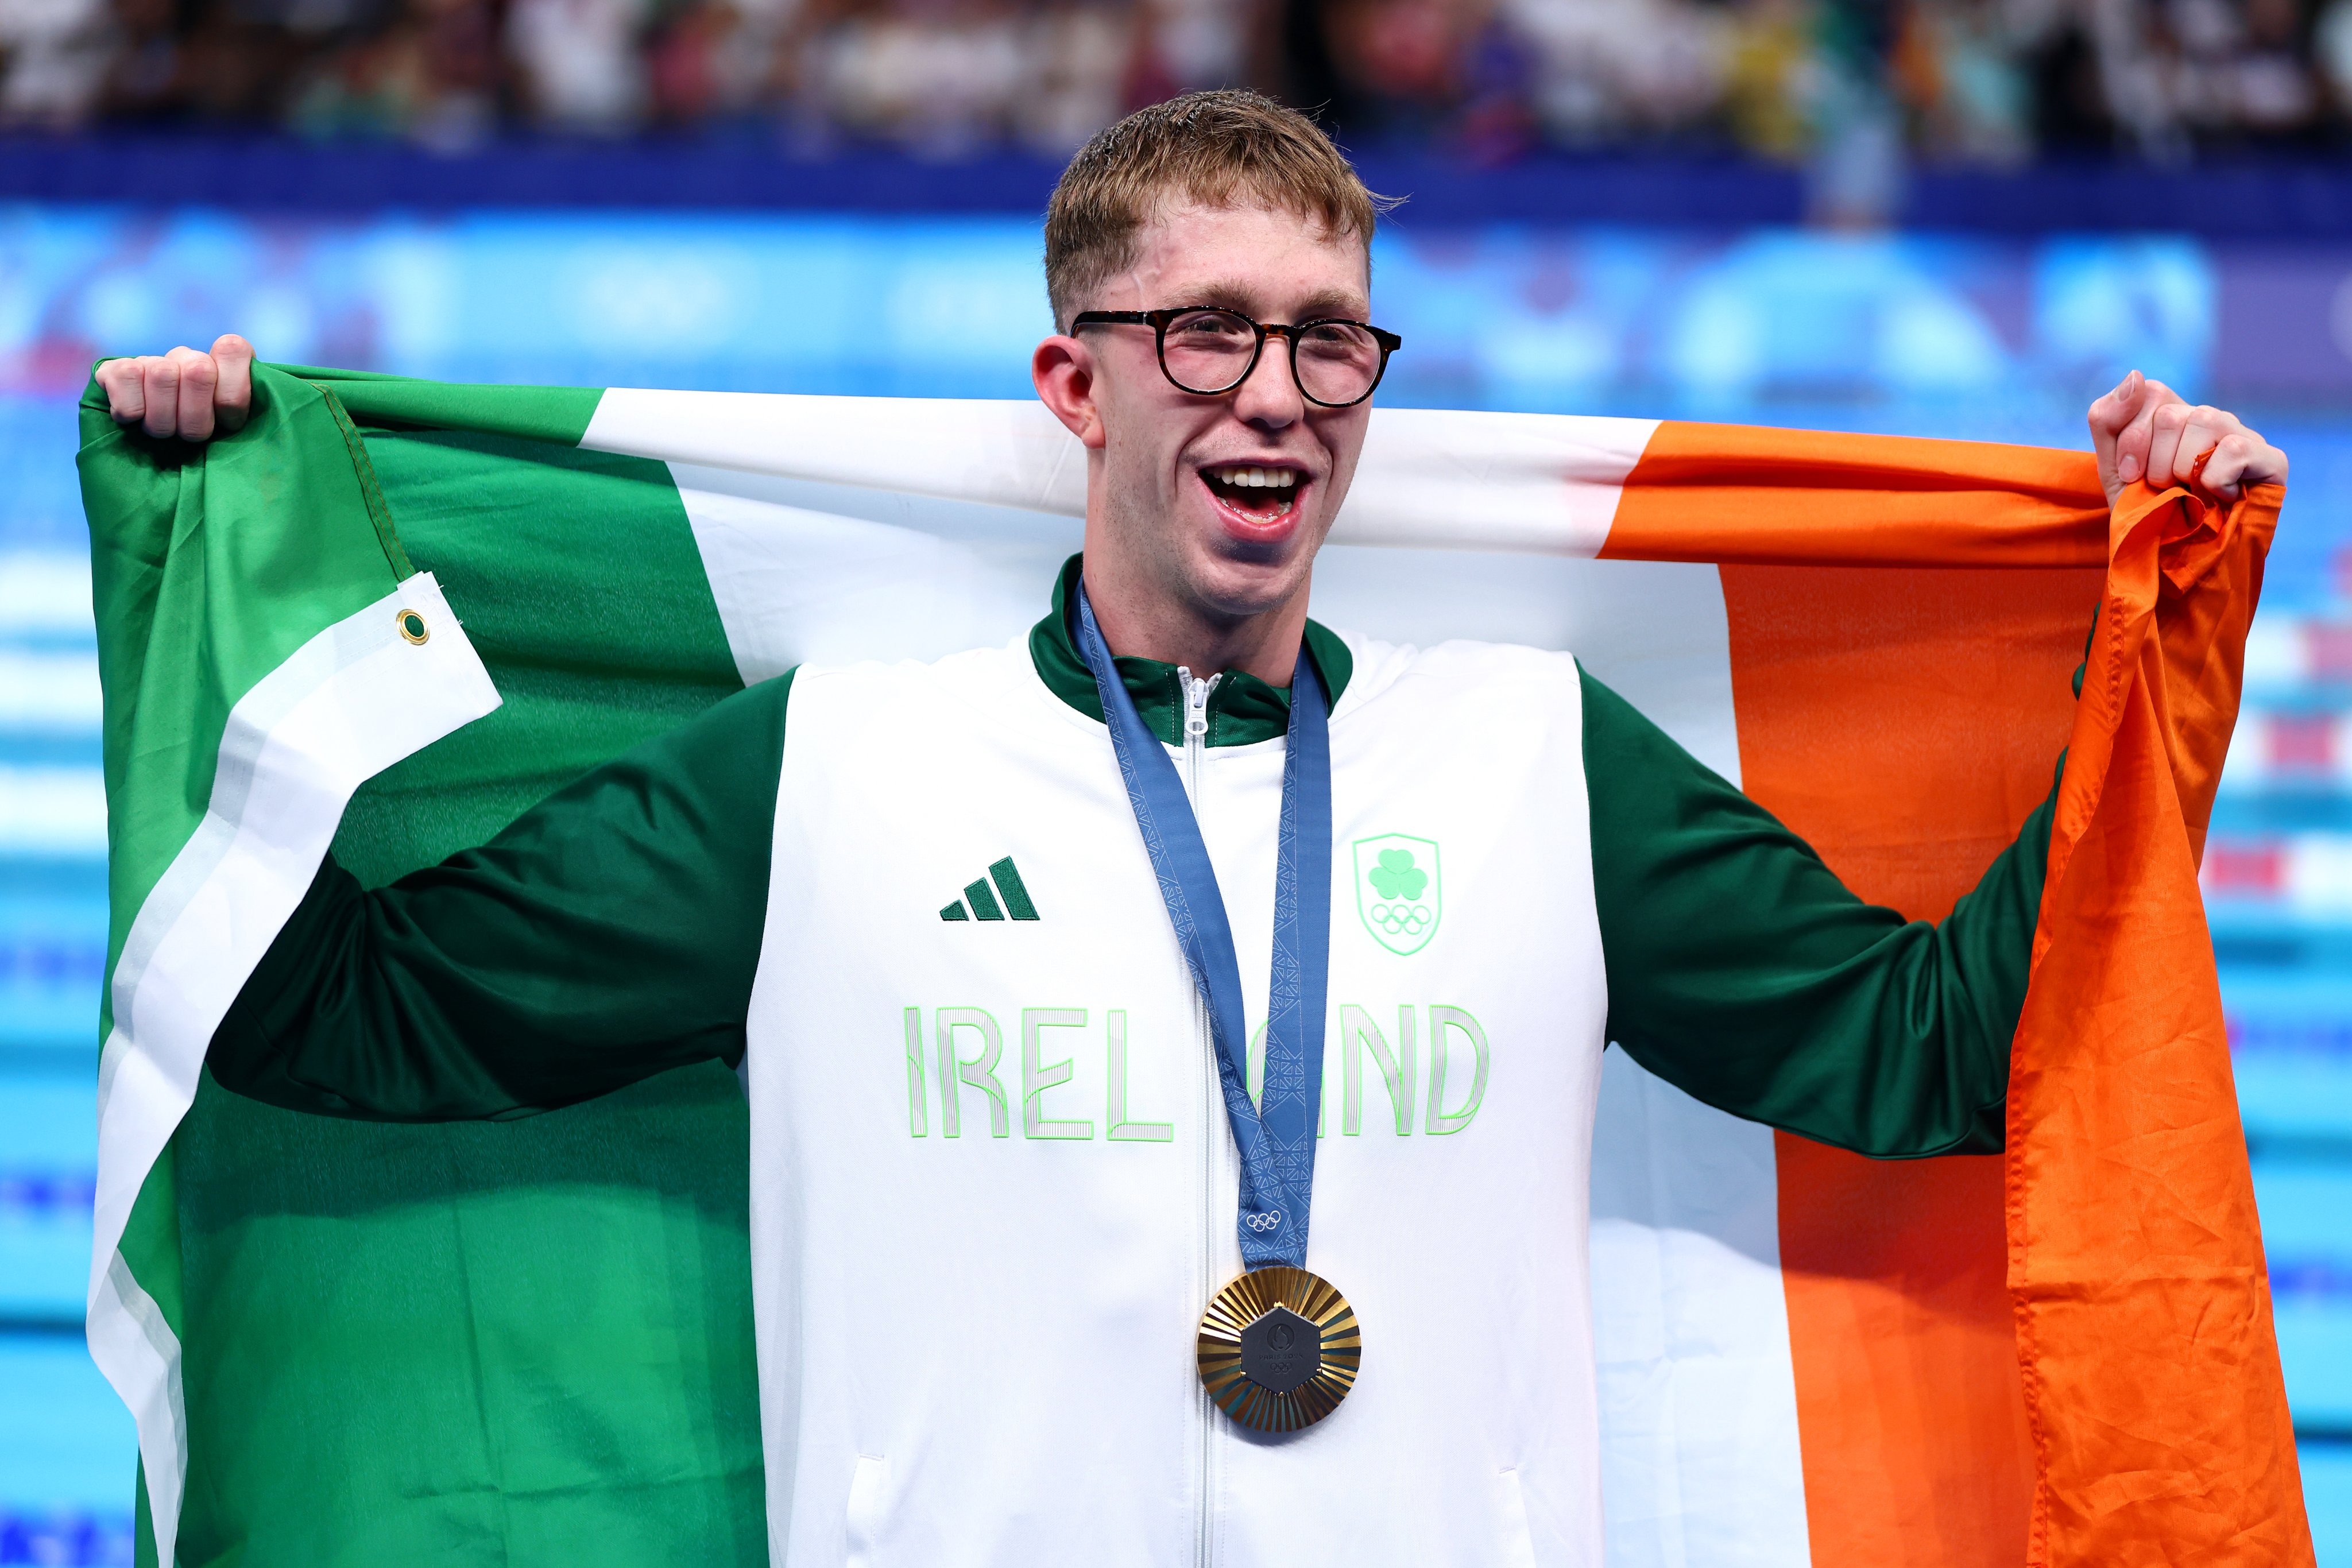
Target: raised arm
{"points": [[609, 934], [1743, 971]]}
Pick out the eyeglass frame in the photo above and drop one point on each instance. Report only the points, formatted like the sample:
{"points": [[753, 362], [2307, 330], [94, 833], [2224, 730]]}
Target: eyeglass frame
{"points": [[1158, 321]]}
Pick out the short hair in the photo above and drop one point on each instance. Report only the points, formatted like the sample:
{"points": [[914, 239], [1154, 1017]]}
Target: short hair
{"points": [[1219, 148]]}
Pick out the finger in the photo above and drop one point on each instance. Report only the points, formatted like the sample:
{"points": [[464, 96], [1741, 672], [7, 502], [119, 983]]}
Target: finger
{"points": [[2107, 416], [199, 377], [2268, 465], [2165, 427], [2198, 443], [2200, 433], [2233, 459], [160, 374], [126, 390], [2132, 443], [2243, 459], [234, 398], [2112, 410], [2221, 419]]}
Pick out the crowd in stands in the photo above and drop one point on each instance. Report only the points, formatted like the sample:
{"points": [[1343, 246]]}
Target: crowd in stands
{"points": [[1973, 80]]}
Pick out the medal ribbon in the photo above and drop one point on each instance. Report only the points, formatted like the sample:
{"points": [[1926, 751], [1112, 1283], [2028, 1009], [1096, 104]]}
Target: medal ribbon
{"points": [[1277, 1138]]}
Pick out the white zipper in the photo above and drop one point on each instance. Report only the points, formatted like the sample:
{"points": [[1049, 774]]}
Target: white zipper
{"points": [[1196, 726], [1196, 745]]}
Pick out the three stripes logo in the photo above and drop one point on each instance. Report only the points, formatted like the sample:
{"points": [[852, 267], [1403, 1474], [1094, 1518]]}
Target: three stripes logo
{"points": [[1008, 900]]}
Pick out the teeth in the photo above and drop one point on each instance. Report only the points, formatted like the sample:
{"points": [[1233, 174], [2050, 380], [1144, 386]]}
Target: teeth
{"points": [[1249, 477]]}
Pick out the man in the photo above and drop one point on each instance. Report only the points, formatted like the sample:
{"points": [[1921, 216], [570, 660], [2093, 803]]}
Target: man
{"points": [[1001, 1156]]}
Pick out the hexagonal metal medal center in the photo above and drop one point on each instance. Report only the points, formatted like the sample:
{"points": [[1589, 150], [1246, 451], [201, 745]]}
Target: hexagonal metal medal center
{"points": [[1281, 1350]]}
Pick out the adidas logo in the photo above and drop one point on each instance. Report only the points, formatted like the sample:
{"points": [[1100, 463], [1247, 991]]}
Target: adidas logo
{"points": [[984, 902]]}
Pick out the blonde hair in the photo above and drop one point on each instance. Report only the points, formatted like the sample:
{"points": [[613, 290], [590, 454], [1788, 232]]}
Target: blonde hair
{"points": [[1216, 148]]}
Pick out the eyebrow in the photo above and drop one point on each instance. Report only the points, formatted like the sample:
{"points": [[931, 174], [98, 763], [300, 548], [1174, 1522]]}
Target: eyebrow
{"points": [[1228, 296]]}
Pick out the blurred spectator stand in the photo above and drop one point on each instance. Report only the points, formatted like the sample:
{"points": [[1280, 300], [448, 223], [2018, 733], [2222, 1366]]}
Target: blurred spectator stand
{"points": [[1969, 82]]}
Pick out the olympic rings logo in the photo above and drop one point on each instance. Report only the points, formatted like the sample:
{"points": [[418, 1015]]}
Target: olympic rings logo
{"points": [[1261, 1223], [1401, 919]]}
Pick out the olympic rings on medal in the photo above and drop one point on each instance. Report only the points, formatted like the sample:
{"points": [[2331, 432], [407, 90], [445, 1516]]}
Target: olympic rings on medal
{"points": [[1261, 1223], [1402, 919]]}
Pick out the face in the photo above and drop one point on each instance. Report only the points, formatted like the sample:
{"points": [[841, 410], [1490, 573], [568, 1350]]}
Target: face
{"points": [[1219, 502]]}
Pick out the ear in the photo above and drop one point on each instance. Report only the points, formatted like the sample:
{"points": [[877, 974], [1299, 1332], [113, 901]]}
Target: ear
{"points": [[1062, 370]]}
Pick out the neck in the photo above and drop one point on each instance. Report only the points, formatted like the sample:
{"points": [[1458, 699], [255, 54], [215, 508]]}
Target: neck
{"points": [[1140, 618]]}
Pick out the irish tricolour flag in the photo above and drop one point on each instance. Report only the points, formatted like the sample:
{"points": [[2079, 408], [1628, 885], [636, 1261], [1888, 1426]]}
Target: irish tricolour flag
{"points": [[388, 615]]}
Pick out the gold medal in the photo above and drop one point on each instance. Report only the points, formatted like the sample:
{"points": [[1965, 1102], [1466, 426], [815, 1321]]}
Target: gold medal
{"points": [[1278, 1349]]}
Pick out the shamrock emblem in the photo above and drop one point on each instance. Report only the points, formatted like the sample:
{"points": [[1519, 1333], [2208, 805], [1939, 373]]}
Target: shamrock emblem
{"points": [[1396, 877], [1400, 887]]}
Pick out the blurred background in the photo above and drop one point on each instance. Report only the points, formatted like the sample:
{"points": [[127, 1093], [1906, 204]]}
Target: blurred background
{"points": [[1953, 217], [1987, 81]]}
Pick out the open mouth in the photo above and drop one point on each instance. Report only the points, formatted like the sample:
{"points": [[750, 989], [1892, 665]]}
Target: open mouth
{"points": [[1258, 494]]}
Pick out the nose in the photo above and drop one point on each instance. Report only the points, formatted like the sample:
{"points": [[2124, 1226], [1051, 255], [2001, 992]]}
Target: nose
{"points": [[1268, 396]]}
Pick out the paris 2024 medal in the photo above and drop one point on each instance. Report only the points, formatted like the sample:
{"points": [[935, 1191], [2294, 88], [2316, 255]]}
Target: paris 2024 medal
{"points": [[1278, 1349]]}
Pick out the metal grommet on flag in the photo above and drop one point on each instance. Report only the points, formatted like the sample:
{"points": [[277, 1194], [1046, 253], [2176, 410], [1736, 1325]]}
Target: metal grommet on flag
{"points": [[412, 625]]}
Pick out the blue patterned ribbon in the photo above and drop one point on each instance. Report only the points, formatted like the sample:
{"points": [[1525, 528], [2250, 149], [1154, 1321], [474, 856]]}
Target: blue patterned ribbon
{"points": [[1276, 1136]]}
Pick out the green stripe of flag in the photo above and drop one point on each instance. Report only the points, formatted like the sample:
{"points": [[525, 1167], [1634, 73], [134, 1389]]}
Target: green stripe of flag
{"points": [[559, 414], [534, 1336], [174, 654]]}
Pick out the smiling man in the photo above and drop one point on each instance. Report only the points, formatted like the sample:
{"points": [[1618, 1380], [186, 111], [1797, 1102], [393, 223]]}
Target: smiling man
{"points": [[1265, 1241]]}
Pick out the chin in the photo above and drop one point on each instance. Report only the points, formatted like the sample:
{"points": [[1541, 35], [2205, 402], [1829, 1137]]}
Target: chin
{"points": [[1244, 578]]}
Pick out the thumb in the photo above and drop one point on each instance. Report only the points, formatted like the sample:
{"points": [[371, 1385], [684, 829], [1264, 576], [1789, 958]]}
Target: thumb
{"points": [[2110, 415], [233, 396]]}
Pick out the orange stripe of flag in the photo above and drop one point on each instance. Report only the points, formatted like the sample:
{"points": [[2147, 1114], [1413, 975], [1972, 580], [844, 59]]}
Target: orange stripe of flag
{"points": [[1728, 493], [2142, 1305], [1903, 720]]}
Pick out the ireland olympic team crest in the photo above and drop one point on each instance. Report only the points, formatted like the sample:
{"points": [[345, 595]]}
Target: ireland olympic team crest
{"points": [[1396, 889]]}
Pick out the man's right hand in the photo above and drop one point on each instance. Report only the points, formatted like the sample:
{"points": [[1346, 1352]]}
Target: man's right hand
{"points": [[184, 392]]}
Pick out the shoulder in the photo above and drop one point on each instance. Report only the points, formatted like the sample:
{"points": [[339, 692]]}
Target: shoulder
{"points": [[1459, 674], [877, 693], [749, 717], [954, 673], [733, 746]]}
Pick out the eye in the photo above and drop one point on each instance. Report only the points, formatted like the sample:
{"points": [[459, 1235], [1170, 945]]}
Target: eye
{"points": [[1210, 326], [1334, 338]]}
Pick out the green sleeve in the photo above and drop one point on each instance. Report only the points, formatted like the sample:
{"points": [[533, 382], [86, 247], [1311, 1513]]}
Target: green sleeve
{"points": [[1742, 971], [610, 933]]}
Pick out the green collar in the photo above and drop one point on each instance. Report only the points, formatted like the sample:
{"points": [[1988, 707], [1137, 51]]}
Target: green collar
{"points": [[1243, 710]]}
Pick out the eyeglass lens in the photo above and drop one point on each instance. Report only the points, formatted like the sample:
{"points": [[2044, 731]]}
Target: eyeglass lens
{"points": [[1208, 351]]}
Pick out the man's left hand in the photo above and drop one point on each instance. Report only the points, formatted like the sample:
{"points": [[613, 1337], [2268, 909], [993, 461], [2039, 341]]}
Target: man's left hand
{"points": [[2145, 429]]}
